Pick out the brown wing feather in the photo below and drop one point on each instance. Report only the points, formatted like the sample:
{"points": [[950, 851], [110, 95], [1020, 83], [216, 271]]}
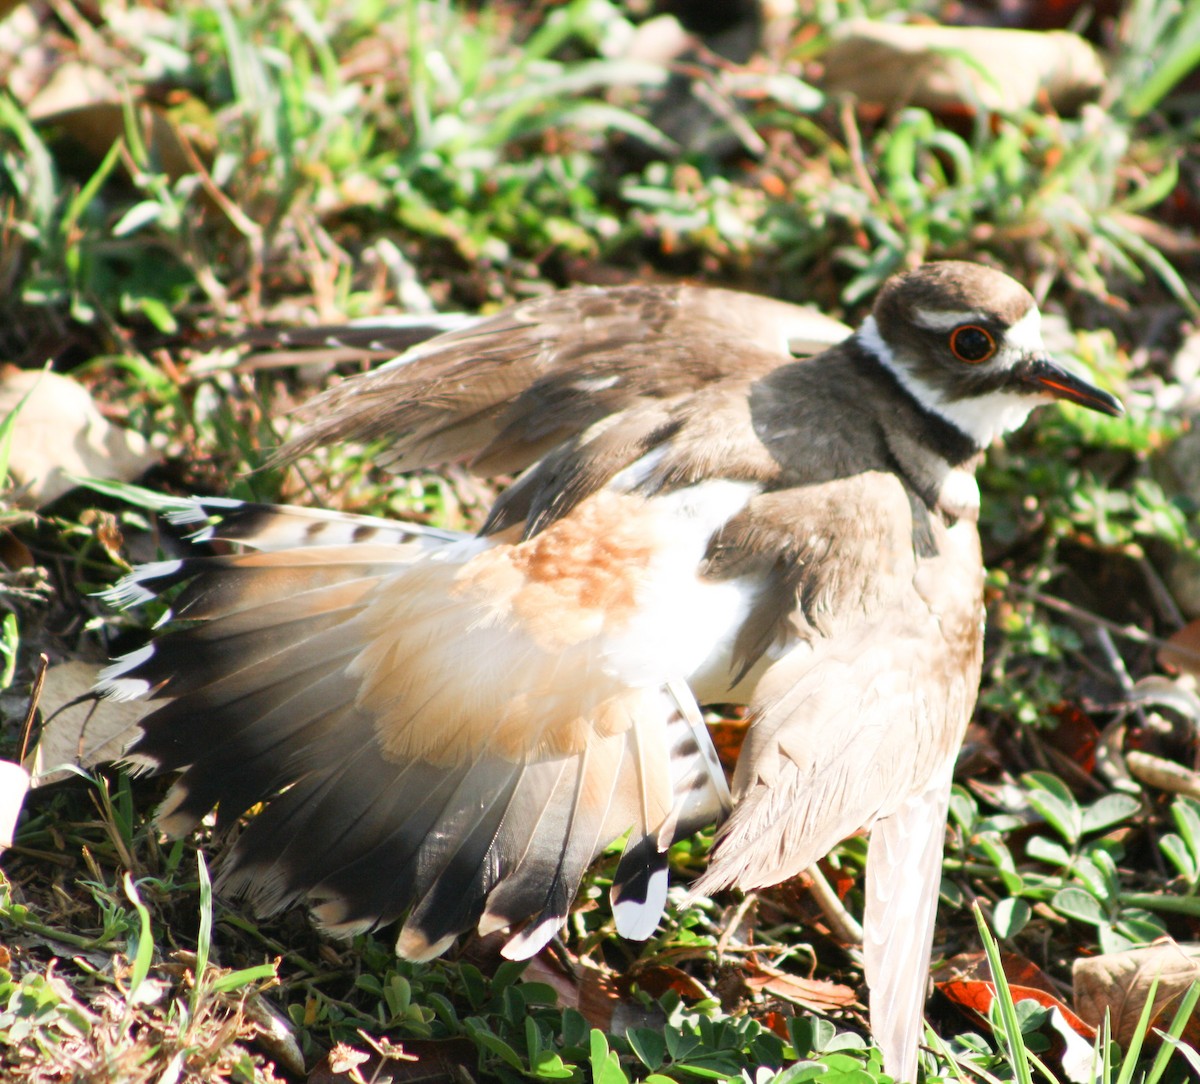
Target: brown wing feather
{"points": [[427, 719], [857, 727], [508, 389]]}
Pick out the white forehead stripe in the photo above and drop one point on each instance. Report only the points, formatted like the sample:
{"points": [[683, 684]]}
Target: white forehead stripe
{"points": [[945, 319], [1025, 336]]}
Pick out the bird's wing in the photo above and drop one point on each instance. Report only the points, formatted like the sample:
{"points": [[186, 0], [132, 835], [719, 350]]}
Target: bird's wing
{"points": [[448, 727], [841, 733], [501, 393], [858, 723]]}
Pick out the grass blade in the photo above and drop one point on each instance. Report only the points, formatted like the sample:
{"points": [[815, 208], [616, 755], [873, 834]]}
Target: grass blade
{"points": [[1011, 1035], [1183, 1014]]}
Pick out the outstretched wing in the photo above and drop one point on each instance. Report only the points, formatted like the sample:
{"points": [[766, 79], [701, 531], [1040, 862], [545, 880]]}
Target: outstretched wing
{"points": [[503, 391], [435, 722]]}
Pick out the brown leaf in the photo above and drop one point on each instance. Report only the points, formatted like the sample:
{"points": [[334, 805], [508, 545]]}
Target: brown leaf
{"points": [[60, 433], [819, 995], [978, 755], [957, 69], [599, 997], [1119, 982], [82, 734], [1074, 735], [81, 99], [967, 981], [727, 737], [776, 1022], [106, 530], [544, 968], [657, 979], [14, 554], [1182, 650]]}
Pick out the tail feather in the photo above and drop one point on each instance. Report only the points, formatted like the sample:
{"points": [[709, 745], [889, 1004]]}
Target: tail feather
{"points": [[458, 871], [273, 527], [300, 614], [326, 672], [592, 802], [904, 869], [215, 672], [250, 609], [701, 797], [258, 756], [639, 890], [224, 586], [547, 902], [533, 838], [360, 852]]}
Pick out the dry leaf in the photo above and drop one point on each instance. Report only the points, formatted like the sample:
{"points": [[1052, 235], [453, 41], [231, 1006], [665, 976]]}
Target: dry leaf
{"points": [[73, 86], [274, 1033], [1074, 735], [599, 998], [60, 432], [91, 732], [967, 981], [1182, 650], [544, 968], [657, 979], [423, 1060], [952, 69], [1162, 774], [819, 995], [81, 99], [1119, 982], [1157, 691], [727, 738]]}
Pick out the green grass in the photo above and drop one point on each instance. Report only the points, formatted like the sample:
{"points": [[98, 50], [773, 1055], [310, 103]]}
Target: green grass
{"points": [[333, 159]]}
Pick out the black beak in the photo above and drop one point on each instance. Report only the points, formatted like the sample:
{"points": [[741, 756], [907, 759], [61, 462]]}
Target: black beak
{"points": [[1040, 374]]}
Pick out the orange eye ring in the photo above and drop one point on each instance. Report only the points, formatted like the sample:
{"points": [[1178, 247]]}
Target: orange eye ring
{"points": [[972, 344]]}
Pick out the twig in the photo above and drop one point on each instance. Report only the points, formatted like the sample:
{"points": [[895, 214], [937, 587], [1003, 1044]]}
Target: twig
{"points": [[1129, 632], [854, 147], [1115, 662], [34, 697], [749, 900], [842, 924], [1167, 607]]}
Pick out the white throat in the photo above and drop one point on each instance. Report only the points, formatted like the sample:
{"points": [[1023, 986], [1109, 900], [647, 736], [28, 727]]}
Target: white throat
{"points": [[982, 418]]}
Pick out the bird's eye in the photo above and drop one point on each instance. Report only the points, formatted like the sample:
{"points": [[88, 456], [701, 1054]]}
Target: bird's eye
{"points": [[972, 343]]}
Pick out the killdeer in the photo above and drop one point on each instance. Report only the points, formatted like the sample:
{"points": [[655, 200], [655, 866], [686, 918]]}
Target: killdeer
{"points": [[447, 729]]}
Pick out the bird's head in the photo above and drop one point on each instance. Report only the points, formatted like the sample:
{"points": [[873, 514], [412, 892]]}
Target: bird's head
{"points": [[965, 341]]}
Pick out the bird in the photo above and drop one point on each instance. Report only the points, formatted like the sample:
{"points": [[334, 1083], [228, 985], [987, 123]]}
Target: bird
{"points": [[445, 729]]}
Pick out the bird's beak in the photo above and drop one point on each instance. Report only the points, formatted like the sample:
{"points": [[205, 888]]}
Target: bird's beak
{"points": [[1039, 373]]}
